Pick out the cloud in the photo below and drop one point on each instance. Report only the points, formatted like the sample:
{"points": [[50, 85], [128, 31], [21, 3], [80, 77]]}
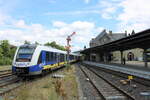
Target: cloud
{"points": [[108, 9], [20, 24], [21, 31], [129, 14], [135, 15], [79, 12], [5, 19], [59, 24], [86, 1]]}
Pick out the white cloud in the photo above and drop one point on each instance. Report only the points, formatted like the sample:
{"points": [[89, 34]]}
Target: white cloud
{"points": [[59, 24], [2, 19], [79, 12], [106, 16], [135, 15], [86, 1], [60, 30], [108, 8], [82, 25], [5, 19], [20, 24]]}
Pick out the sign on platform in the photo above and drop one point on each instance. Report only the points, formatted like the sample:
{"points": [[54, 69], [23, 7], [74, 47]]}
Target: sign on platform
{"points": [[130, 77]]}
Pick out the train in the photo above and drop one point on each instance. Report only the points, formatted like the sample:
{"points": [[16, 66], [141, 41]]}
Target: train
{"points": [[36, 59]]}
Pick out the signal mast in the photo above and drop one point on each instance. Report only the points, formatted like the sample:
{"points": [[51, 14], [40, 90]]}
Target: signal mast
{"points": [[69, 46]]}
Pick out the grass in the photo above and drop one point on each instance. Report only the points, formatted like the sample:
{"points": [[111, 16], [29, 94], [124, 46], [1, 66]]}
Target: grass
{"points": [[5, 67], [68, 66], [48, 88]]}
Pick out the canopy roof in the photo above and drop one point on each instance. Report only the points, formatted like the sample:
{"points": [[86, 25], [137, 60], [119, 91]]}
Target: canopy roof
{"points": [[137, 40]]}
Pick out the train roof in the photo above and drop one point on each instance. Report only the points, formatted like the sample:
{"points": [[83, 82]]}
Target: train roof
{"points": [[48, 48], [52, 49]]}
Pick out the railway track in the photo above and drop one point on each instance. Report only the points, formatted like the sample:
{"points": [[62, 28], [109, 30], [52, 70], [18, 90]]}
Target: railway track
{"points": [[5, 74], [5, 70], [135, 89], [106, 89], [8, 81], [142, 81], [9, 85]]}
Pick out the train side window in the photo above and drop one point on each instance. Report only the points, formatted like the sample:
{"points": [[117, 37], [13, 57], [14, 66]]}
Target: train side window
{"points": [[47, 57], [69, 57], [57, 57], [61, 57], [54, 58], [51, 56], [40, 58]]}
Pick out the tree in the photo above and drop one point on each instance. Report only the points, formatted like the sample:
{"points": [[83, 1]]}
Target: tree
{"points": [[36, 43], [5, 48], [7, 52], [12, 52], [55, 45], [1, 52], [27, 42]]}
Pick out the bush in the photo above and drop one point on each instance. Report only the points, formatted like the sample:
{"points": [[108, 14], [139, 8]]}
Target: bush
{"points": [[5, 61], [7, 52]]}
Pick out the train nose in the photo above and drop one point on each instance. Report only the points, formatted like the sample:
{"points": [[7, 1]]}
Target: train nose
{"points": [[23, 70], [22, 64]]}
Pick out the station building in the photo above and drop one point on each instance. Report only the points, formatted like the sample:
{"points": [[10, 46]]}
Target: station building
{"points": [[106, 37]]}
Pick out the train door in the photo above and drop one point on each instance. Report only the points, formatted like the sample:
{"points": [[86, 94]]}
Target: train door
{"points": [[65, 58], [44, 57]]}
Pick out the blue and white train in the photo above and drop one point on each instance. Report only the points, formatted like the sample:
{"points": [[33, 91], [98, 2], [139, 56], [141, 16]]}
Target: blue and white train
{"points": [[34, 60]]}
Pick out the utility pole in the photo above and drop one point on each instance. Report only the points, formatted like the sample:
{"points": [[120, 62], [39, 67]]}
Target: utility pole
{"points": [[68, 46]]}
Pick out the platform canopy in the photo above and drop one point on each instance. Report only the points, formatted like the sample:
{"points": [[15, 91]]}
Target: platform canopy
{"points": [[137, 40]]}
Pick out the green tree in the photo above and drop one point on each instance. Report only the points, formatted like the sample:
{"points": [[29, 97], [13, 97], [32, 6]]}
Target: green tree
{"points": [[36, 43], [12, 52], [27, 42], [55, 45], [7, 52], [1, 51], [5, 48]]}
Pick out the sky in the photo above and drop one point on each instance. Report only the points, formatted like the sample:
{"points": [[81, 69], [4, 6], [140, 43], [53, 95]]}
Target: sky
{"points": [[53, 20]]}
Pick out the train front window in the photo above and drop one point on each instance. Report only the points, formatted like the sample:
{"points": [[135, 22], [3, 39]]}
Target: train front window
{"points": [[25, 54]]}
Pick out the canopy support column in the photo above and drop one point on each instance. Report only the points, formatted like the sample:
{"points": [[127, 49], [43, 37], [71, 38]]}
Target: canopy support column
{"points": [[122, 59], [145, 58]]}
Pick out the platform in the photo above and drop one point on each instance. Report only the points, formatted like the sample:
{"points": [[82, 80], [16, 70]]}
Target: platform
{"points": [[132, 70], [139, 65]]}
